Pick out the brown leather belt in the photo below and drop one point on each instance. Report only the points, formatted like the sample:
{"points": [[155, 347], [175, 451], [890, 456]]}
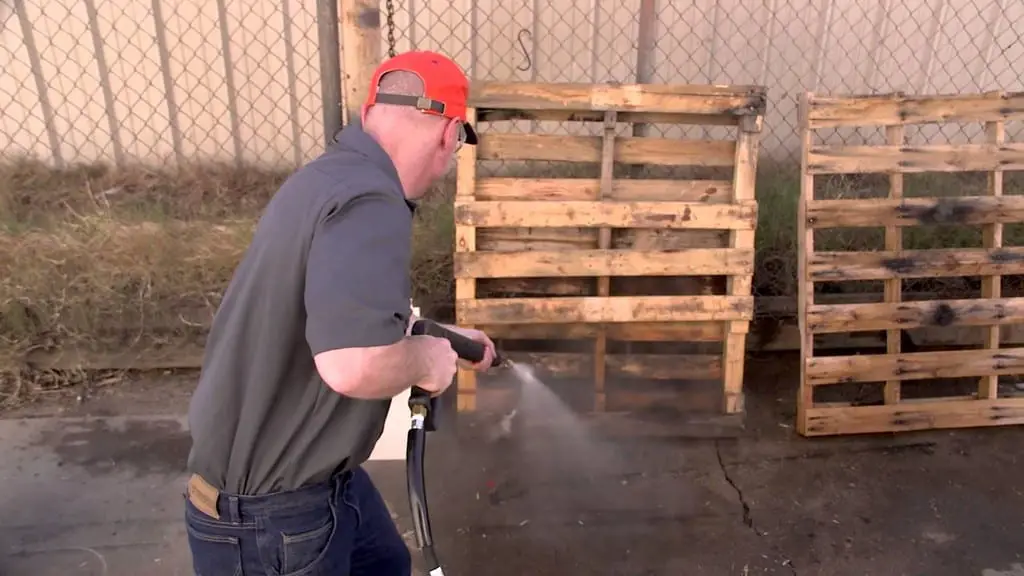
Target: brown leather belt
{"points": [[203, 496]]}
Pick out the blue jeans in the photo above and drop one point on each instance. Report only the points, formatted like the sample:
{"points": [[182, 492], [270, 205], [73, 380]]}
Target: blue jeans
{"points": [[340, 528]]}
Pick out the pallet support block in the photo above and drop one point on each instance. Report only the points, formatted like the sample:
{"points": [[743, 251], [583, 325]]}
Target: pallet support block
{"points": [[745, 175], [465, 243], [573, 258], [894, 265], [604, 243]]}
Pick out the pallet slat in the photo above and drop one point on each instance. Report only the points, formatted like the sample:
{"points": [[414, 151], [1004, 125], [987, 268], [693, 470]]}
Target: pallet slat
{"points": [[915, 159], [938, 263], [556, 115], [908, 416], [606, 309], [915, 211], [675, 215], [538, 189], [657, 98], [625, 332], [899, 110], [647, 366], [656, 151], [519, 239], [833, 318], [694, 262], [914, 366]]}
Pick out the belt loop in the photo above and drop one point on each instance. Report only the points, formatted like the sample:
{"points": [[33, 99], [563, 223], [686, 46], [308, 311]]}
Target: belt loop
{"points": [[236, 515]]}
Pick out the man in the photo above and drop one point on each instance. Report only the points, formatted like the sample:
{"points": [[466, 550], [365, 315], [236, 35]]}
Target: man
{"points": [[311, 343]]}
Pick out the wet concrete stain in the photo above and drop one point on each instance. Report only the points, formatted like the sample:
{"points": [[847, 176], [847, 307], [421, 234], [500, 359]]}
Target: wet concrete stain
{"points": [[103, 446]]}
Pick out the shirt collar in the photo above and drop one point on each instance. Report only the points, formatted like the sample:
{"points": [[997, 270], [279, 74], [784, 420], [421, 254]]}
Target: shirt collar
{"points": [[354, 138]]}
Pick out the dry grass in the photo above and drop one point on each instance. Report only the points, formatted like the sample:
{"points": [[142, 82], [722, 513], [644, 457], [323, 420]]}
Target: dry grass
{"points": [[89, 256], [33, 195], [92, 258], [94, 276]]}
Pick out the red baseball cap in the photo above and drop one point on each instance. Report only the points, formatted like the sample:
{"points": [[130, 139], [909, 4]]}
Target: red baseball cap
{"points": [[445, 86]]}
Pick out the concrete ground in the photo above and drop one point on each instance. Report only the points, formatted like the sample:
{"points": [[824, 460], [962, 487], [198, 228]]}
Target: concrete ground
{"points": [[94, 488]]}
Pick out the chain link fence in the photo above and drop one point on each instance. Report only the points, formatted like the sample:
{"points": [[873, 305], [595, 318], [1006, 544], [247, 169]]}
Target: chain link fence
{"points": [[239, 80], [789, 46], [160, 81]]}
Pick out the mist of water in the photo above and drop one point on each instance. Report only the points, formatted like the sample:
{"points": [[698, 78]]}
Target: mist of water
{"points": [[566, 438]]}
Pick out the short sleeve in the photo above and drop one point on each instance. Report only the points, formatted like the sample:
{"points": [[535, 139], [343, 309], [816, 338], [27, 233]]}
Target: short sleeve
{"points": [[357, 275]]}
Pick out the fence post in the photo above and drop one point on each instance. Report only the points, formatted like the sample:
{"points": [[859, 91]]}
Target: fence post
{"points": [[330, 66], [360, 35], [648, 19]]}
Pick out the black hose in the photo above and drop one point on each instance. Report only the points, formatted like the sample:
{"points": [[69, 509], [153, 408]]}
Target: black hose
{"points": [[416, 483]]}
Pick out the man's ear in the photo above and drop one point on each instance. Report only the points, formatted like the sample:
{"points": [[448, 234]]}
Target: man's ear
{"points": [[451, 133]]}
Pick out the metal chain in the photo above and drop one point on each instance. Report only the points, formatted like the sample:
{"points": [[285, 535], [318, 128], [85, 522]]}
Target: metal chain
{"points": [[390, 5]]}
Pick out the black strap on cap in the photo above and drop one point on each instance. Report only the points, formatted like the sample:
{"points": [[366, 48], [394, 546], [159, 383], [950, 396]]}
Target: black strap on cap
{"points": [[418, 102]]}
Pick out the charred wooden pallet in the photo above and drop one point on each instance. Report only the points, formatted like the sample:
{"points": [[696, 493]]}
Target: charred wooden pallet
{"points": [[965, 401], [611, 258]]}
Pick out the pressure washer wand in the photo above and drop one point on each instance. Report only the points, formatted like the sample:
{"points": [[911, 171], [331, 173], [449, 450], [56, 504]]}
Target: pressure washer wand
{"points": [[423, 408]]}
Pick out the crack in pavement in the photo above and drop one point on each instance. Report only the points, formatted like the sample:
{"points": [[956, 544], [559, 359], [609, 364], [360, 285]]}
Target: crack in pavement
{"points": [[748, 519]]}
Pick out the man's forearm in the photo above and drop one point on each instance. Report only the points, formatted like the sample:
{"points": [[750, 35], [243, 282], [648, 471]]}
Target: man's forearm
{"points": [[400, 366]]}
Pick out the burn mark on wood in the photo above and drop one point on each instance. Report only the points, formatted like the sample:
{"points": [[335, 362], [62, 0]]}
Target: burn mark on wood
{"points": [[709, 192], [755, 106], [739, 307], [1003, 256], [951, 211], [899, 265], [944, 315]]}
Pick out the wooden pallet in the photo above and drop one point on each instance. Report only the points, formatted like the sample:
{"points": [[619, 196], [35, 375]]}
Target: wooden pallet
{"points": [[580, 258], [892, 411]]}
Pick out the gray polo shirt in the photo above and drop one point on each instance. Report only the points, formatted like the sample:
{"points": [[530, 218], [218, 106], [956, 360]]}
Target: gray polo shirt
{"points": [[328, 268]]}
